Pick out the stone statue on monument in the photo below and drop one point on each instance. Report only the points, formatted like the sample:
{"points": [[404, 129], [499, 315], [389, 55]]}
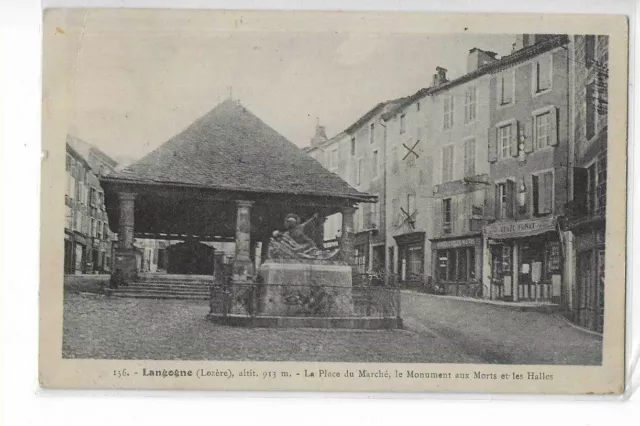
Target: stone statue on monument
{"points": [[294, 244]]}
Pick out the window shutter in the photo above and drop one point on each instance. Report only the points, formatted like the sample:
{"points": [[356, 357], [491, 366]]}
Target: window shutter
{"points": [[510, 198], [553, 126], [548, 192], [580, 190], [438, 211], [535, 193], [493, 144], [514, 140], [528, 135], [496, 203], [454, 215]]}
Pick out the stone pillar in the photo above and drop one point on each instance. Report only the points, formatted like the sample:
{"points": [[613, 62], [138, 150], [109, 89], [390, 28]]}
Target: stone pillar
{"points": [[242, 265], [264, 249], [347, 234], [319, 231], [125, 269]]}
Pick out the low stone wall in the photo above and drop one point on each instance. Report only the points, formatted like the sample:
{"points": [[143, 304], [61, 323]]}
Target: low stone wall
{"points": [[353, 323], [86, 283]]}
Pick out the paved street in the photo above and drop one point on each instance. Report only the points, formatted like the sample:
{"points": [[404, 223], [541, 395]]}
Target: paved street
{"points": [[501, 335], [438, 330]]}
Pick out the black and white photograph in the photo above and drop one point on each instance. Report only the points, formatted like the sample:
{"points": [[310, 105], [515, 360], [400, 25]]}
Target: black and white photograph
{"points": [[236, 193]]}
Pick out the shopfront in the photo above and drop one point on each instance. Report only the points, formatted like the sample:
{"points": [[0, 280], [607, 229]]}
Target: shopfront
{"points": [[410, 256], [457, 265], [526, 260], [590, 264]]}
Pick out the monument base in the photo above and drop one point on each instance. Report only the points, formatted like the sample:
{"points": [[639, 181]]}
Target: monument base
{"points": [[125, 269], [305, 289]]}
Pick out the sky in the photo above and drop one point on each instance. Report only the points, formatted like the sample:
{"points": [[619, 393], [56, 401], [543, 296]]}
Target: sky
{"points": [[135, 89]]}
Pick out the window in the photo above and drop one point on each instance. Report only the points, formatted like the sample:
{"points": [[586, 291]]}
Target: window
{"points": [[105, 231], [353, 146], [504, 200], [68, 218], [77, 226], [374, 164], [597, 186], [470, 104], [99, 229], [589, 50], [590, 118], [506, 88], [469, 157], [542, 193], [542, 71], [446, 215], [411, 204], [395, 165], [456, 265], [375, 214], [93, 231], [504, 141], [372, 133], [448, 112], [71, 186], [333, 159], [601, 185], [477, 203], [542, 131], [403, 123], [395, 212], [360, 218], [447, 163], [360, 171]]}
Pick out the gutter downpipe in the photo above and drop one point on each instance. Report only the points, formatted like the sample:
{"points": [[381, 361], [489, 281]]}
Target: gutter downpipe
{"points": [[384, 204]]}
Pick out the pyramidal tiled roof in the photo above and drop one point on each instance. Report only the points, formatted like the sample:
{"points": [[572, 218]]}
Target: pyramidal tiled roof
{"points": [[230, 148]]}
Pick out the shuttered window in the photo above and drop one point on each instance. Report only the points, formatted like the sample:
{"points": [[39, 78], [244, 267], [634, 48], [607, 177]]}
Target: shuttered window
{"points": [[543, 193], [506, 88], [470, 104], [590, 111], [447, 163], [448, 112], [446, 215], [504, 141], [601, 186], [542, 71], [543, 130], [504, 200], [469, 157]]}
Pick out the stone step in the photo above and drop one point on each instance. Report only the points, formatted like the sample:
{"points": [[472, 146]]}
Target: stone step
{"points": [[175, 278], [163, 296], [161, 290], [168, 285]]}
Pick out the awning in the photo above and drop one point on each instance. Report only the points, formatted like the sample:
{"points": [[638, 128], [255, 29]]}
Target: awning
{"points": [[503, 230]]}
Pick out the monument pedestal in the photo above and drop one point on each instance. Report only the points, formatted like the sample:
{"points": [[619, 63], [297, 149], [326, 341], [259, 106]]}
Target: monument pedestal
{"points": [[125, 269], [305, 289]]}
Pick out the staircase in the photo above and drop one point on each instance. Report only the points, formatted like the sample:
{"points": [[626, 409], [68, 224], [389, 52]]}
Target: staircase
{"points": [[167, 286]]}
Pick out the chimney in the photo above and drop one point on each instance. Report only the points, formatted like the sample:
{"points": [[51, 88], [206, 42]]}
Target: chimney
{"points": [[440, 76], [522, 41], [320, 136], [478, 58]]}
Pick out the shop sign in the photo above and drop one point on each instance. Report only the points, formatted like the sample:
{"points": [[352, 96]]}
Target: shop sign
{"points": [[521, 228], [465, 242]]}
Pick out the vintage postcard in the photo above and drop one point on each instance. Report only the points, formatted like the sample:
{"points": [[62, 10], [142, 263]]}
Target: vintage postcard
{"points": [[333, 201]]}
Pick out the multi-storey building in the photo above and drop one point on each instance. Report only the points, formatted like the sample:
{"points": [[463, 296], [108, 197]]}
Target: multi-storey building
{"points": [[529, 140], [87, 244], [408, 172], [587, 208]]}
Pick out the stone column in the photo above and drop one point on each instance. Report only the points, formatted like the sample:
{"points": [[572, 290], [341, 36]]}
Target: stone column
{"points": [[264, 249], [319, 231], [347, 234], [242, 266], [125, 269]]}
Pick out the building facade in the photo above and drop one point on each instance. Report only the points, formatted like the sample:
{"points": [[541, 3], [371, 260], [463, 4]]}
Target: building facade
{"points": [[587, 208], [529, 141], [460, 195], [87, 240]]}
